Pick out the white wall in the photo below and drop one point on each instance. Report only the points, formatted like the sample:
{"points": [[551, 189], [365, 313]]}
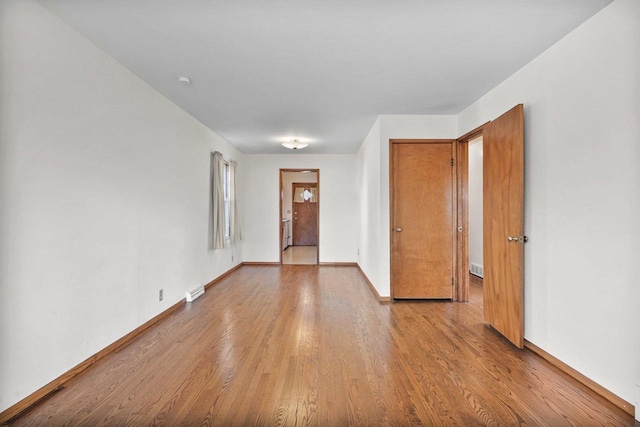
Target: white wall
{"points": [[369, 189], [582, 198], [338, 205], [476, 255], [288, 178], [103, 200], [373, 171]]}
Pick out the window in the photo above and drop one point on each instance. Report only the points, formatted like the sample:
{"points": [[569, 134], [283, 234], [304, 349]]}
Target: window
{"points": [[224, 211]]}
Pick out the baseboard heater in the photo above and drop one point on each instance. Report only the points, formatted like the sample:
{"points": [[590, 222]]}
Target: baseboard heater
{"points": [[477, 270], [195, 293]]}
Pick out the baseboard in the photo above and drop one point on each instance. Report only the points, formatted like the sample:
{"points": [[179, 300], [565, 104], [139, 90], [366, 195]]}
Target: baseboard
{"points": [[260, 263], [222, 276], [338, 264], [589, 383], [373, 288], [324, 264], [35, 397], [17, 409]]}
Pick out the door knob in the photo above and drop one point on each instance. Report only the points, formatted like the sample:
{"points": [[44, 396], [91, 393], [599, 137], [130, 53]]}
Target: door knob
{"points": [[512, 239], [398, 229]]}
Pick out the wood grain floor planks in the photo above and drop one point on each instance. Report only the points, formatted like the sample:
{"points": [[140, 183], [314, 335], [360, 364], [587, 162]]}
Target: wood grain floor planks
{"points": [[309, 345]]}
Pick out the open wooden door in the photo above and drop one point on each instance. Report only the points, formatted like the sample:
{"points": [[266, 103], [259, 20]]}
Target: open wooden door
{"points": [[503, 187]]}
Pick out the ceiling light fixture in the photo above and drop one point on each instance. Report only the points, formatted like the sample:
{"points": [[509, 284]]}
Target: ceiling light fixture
{"points": [[294, 144], [184, 80]]}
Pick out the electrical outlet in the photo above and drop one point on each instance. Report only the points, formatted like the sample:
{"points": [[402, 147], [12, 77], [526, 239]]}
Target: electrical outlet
{"points": [[231, 258], [161, 295], [358, 251]]}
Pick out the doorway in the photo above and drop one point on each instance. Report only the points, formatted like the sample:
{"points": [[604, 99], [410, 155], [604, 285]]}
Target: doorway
{"points": [[470, 208], [304, 230], [299, 216], [475, 252], [502, 160]]}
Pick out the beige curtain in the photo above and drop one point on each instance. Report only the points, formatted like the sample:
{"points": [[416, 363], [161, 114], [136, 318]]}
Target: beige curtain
{"points": [[217, 200], [234, 222]]}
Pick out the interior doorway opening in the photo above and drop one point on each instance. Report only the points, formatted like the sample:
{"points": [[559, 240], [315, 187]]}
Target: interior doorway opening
{"points": [[299, 216], [475, 174], [469, 189], [503, 238]]}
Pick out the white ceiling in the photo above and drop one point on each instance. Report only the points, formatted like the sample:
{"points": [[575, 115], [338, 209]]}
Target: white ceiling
{"points": [[265, 71]]}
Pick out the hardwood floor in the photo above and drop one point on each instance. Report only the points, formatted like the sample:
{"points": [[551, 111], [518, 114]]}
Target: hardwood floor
{"points": [[300, 255], [475, 280], [308, 345]]}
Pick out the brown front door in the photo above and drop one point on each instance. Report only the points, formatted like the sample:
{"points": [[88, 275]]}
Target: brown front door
{"points": [[503, 211], [422, 240], [305, 214]]}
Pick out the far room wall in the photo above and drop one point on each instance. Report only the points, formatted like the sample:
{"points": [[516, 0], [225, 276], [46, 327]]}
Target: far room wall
{"points": [[338, 205]]}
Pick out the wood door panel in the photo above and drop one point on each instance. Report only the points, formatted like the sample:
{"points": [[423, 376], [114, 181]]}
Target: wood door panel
{"points": [[503, 211], [305, 219], [422, 253]]}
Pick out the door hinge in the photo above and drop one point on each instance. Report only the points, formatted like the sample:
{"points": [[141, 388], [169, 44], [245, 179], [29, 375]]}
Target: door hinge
{"points": [[451, 162], [453, 280]]}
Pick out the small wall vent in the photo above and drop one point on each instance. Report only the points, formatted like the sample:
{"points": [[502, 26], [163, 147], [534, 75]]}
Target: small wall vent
{"points": [[477, 270], [195, 293]]}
